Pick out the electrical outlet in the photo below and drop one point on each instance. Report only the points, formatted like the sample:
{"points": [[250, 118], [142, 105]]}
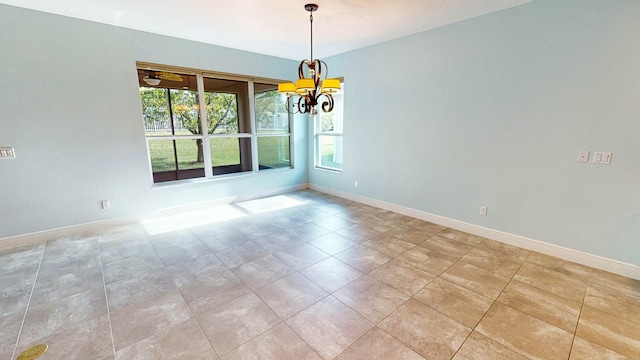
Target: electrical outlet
{"points": [[583, 156], [105, 204], [356, 183], [483, 210]]}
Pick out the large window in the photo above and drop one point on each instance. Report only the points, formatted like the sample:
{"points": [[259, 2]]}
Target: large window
{"points": [[199, 125], [328, 135]]}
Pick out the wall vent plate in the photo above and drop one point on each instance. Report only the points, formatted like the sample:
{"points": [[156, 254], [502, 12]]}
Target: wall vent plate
{"points": [[7, 153]]}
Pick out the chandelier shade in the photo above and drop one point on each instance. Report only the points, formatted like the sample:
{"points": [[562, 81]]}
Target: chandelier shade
{"points": [[312, 91]]}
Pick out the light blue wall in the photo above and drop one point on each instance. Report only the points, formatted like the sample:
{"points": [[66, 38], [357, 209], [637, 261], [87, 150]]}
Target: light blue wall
{"points": [[493, 111], [69, 105]]}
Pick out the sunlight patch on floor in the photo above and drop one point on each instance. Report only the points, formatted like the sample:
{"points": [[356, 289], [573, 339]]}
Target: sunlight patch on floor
{"points": [[269, 204], [191, 219]]}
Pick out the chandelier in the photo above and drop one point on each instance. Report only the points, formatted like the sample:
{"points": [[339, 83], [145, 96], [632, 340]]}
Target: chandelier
{"points": [[313, 91]]}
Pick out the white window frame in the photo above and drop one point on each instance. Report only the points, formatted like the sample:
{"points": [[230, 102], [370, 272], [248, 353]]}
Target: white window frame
{"points": [[206, 137], [338, 107]]}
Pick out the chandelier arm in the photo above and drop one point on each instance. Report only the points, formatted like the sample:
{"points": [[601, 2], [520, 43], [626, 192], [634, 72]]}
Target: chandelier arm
{"points": [[327, 105], [302, 108], [300, 69], [291, 108], [320, 69]]}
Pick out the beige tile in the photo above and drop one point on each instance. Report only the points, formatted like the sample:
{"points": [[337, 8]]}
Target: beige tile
{"points": [[614, 281], [299, 256], [196, 269], [263, 271], [56, 316], [358, 233], [256, 227], [573, 270], [403, 277], [88, 340], [241, 254], [290, 295], [20, 258], [232, 324], [213, 291], [425, 226], [363, 258], [379, 224], [553, 309], [464, 237], [410, 234], [10, 326], [279, 343], [551, 281], [131, 267], [333, 223], [371, 298], [142, 320], [331, 274], [497, 265], [146, 286], [182, 341], [329, 327], [502, 250], [389, 245], [480, 347], [425, 331], [394, 216], [306, 232], [525, 334], [453, 248], [611, 332], [332, 243], [15, 291], [217, 242], [586, 350], [476, 279], [458, 303], [378, 345], [69, 277], [614, 302], [132, 248], [178, 246], [6, 350], [430, 261]]}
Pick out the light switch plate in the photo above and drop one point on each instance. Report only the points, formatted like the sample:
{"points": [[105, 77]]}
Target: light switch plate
{"points": [[600, 157], [7, 153]]}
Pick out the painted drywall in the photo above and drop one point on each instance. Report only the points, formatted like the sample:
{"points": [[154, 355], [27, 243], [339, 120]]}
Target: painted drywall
{"points": [[493, 111], [70, 107]]}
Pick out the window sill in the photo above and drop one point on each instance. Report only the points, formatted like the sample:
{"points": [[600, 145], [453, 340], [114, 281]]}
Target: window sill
{"points": [[195, 181], [335, 171]]}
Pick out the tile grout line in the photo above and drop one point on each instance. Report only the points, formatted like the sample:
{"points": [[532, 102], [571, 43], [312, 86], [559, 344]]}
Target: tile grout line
{"points": [[24, 318], [106, 298], [492, 304], [575, 331]]}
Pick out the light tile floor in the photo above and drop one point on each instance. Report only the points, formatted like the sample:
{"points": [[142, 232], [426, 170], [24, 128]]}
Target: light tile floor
{"points": [[327, 279]]}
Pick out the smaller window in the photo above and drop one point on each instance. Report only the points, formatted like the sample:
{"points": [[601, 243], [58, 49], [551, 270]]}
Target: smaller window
{"points": [[328, 135], [272, 127]]}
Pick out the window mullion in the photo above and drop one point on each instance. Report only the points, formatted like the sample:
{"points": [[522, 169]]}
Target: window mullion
{"points": [[254, 139], [204, 125]]}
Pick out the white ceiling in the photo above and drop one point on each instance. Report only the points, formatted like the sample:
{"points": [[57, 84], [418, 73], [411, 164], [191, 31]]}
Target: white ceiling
{"points": [[275, 27]]}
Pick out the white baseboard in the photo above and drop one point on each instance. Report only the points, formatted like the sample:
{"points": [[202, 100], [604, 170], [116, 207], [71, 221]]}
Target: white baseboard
{"points": [[595, 261], [95, 226]]}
